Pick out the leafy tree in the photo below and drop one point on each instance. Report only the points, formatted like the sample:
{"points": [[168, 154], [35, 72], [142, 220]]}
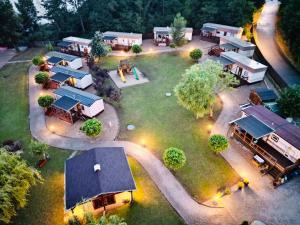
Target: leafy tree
{"points": [[196, 54], [39, 149], [37, 60], [10, 24], [45, 101], [178, 30], [136, 49], [41, 78], [289, 102], [49, 47], [112, 220], [28, 17], [99, 48], [174, 158], [218, 143], [200, 85], [76, 6], [16, 179], [92, 127]]}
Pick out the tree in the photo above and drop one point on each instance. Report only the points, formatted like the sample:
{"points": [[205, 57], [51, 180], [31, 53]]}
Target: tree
{"points": [[45, 101], [200, 85], [174, 158], [196, 54], [10, 25], [92, 127], [28, 18], [41, 78], [16, 179], [136, 49], [112, 220], [37, 60], [218, 143], [99, 48], [39, 149], [289, 102], [178, 30], [76, 5]]}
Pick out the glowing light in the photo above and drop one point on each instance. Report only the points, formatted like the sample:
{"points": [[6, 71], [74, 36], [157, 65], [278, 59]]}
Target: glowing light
{"points": [[150, 50], [51, 128], [143, 142], [41, 93], [191, 49]]}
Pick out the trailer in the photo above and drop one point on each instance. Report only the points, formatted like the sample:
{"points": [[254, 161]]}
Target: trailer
{"points": [[54, 58]]}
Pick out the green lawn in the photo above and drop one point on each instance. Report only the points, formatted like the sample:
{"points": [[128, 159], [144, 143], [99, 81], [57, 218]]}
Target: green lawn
{"points": [[45, 202], [161, 123]]}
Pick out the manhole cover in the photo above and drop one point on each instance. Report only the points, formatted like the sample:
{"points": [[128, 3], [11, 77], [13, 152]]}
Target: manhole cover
{"points": [[130, 127], [168, 94]]}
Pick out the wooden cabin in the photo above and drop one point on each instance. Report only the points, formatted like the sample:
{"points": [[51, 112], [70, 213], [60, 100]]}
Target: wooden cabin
{"points": [[66, 76], [75, 45], [75, 103], [212, 32], [122, 40], [272, 139], [97, 177], [54, 58], [162, 36], [237, 45]]}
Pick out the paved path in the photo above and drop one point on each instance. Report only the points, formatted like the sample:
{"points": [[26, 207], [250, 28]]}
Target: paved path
{"points": [[267, 45], [5, 56]]}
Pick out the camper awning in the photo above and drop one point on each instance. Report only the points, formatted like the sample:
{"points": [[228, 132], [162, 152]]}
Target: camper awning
{"points": [[228, 46], [60, 77], [109, 38], [65, 103], [223, 61], [253, 126], [54, 60], [64, 44]]}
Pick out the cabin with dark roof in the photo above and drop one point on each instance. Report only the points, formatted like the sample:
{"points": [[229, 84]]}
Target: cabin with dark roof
{"points": [[271, 138], [54, 58], [100, 177], [75, 46]]}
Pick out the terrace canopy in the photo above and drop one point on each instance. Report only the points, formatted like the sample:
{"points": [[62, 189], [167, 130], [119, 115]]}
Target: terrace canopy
{"points": [[223, 61], [65, 103], [208, 29]]}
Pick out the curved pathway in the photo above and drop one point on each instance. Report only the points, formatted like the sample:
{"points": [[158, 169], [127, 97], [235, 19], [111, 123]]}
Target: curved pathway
{"points": [[265, 41], [181, 201]]}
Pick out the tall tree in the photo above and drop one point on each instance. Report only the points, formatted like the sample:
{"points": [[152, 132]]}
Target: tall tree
{"points": [[10, 24], [76, 7], [178, 30], [99, 49], [28, 17], [200, 85]]}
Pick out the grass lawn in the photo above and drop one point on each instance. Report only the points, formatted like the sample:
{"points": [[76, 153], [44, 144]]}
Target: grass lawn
{"points": [[45, 202], [161, 123]]}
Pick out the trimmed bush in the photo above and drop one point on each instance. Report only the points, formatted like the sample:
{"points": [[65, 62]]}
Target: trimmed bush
{"points": [[37, 60], [218, 143], [92, 127], [45, 101], [240, 185], [39, 149], [174, 158], [172, 45], [41, 78], [136, 49], [196, 54]]}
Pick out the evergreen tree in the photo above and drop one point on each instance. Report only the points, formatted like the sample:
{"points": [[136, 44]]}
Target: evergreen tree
{"points": [[99, 49], [178, 30]]}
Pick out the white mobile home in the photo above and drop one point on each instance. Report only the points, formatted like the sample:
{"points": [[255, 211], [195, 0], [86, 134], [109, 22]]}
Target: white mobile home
{"points": [[210, 30], [244, 67], [90, 105], [57, 58], [237, 45], [75, 44], [162, 35], [64, 75], [122, 40]]}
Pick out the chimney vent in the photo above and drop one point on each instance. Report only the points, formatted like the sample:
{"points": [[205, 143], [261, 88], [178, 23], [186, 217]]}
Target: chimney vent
{"points": [[97, 168]]}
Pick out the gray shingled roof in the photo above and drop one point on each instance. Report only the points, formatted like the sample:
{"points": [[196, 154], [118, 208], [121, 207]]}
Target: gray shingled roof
{"points": [[83, 184]]}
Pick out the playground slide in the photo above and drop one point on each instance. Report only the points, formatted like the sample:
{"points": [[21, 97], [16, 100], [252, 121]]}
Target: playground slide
{"points": [[136, 76], [122, 76]]}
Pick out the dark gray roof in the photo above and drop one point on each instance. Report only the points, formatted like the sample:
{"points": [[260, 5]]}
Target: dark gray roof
{"points": [[65, 103], [266, 95], [78, 74], [64, 44], [60, 77], [253, 126], [209, 29], [54, 60], [61, 55], [83, 97], [110, 38], [83, 184]]}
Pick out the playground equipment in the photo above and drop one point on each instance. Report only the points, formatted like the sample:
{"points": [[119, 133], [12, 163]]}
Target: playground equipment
{"points": [[125, 68]]}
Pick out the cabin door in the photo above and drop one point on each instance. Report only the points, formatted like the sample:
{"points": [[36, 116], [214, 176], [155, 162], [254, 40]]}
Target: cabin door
{"points": [[240, 70]]}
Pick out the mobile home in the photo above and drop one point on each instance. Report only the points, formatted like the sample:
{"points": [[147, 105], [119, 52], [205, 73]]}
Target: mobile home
{"points": [[75, 45], [64, 75], [162, 35], [213, 31], [72, 103], [237, 45], [122, 40], [54, 58]]}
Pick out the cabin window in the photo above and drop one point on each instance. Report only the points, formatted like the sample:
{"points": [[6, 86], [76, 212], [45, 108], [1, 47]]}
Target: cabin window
{"points": [[274, 138], [82, 107]]}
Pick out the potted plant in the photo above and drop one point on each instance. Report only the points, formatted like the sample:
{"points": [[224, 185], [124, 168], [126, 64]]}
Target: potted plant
{"points": [[40, 150], [246, 182], [240, 185]]}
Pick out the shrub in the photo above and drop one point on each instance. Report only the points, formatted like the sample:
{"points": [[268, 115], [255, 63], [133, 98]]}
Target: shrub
{"points": [[45, 101], [112, 220], [92, 127], [196, 54], [41, 78], [172, 45], [37, 60], [39, 149], [49, 46], [218, 143], [136, 49], [289, 102], [74, 221], [174, 158], [240, 185]]}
